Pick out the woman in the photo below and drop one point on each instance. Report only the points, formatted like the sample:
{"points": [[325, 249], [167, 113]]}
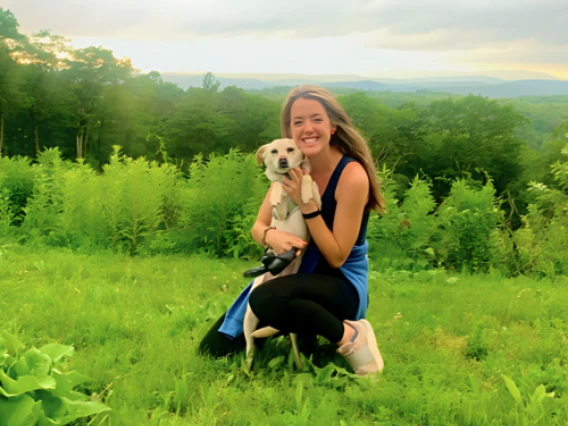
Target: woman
{"points": [[329, 294]]}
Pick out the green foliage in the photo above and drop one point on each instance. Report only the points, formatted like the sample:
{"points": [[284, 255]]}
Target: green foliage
{"points": [[220, 202], [542, 242], [138, 206], [465, 225], [465, 231], [17, 178], [36, 389]]}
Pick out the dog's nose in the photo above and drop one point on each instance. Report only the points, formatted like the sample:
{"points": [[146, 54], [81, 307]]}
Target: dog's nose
{"points": [[283, 162]]}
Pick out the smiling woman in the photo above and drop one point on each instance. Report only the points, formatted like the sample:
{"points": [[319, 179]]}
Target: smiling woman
{"points": [[329, 294]]}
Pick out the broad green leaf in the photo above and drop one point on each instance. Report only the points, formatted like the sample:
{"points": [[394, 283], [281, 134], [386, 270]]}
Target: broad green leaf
{"points": [[79, 409], [11, 387], [67, 381], [52, 405], [513, 389], [56, 351], [17, 411], [34, 363], [64, 411]]}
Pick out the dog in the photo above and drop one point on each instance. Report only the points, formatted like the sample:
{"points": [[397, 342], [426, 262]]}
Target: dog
{"points": [[279, 157]]}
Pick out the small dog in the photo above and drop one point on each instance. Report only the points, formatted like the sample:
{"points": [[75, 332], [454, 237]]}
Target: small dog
{"points": [[280, 156]]}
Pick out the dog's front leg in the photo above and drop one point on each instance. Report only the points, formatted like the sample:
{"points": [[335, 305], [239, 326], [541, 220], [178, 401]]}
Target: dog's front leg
{"points": [[308, 189], [281, 210], [276, 194]]}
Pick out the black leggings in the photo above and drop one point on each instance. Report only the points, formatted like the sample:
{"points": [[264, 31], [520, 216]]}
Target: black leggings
{"points": [[306, 304]]}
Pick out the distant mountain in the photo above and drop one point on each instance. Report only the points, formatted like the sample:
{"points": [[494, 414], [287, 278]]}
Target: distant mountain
{"points": [[482, 85], [513, 89], [359, 85]]}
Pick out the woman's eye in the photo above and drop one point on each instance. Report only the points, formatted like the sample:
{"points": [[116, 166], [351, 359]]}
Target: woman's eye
{"points": [[297, 123]]}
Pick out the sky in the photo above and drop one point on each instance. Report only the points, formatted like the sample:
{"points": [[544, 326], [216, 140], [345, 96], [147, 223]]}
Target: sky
{"points": [[510, 39]]}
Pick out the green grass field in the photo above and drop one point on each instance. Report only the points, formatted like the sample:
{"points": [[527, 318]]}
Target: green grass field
{"points": [[447, 341]]}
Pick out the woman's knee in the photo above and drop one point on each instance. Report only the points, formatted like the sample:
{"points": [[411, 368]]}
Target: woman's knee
{"points": [[267, 299], [259, 299]]}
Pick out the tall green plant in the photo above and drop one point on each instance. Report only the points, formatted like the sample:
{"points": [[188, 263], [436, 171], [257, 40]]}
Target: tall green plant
{"points": [[465, 223], [218, 203]]}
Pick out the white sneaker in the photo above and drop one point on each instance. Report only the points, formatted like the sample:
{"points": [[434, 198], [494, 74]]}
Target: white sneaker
{"points": [[362, 354]]}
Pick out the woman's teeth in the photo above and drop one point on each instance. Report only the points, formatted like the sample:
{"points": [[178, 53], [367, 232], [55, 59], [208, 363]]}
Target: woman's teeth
{"points": [[310, 140]]}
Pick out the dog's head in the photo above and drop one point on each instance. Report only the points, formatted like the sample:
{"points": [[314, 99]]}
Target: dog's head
{"points": [[279, 156]]}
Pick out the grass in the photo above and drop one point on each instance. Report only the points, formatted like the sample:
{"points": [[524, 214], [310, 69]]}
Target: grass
{"points": [[447, 341]]}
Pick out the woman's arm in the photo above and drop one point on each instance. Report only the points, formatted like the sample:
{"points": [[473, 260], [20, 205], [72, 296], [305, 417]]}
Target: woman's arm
{"points": [[352, 194], [280, 241], [263, 219]]}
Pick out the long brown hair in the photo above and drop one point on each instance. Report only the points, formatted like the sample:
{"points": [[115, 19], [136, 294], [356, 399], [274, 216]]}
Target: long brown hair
{"points": [[346, 138]]}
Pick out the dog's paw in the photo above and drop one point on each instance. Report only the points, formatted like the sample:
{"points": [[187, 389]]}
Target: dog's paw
{"points": [[265, 332]]}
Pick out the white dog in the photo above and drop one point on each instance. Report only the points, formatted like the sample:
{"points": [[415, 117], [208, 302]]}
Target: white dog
{"points": [[280, 156]]}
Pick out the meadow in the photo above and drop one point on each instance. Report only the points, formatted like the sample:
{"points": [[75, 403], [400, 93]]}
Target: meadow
{"points": [[462, 349]]}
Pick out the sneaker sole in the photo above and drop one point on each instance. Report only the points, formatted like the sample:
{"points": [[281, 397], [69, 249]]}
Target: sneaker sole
{"points": [[372, 342]]}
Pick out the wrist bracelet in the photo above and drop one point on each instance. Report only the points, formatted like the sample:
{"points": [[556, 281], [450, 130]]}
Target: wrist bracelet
{"points": [[312, 214], [264, 235]]}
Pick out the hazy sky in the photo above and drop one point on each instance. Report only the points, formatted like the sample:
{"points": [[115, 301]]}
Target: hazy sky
{"points": [[364, 37]]}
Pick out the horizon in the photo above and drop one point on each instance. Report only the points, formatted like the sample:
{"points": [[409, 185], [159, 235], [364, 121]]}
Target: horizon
{"points": [[374, 39]]}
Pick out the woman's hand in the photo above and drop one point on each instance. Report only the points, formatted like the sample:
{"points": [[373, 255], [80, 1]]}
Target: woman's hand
{"points": [[293, 186], [281, 241]]}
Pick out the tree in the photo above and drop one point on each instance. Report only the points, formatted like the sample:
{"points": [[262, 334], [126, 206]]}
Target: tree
{"points": [[49, 101], [90, 71], [11, 43], [210, 83], [468, 137]]}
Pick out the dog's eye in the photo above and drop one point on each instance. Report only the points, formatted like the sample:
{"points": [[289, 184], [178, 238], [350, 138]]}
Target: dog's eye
{"points": [[290, 149], [274, 151]]}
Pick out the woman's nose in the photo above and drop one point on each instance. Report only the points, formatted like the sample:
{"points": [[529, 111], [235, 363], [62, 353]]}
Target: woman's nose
{"points": [[307, 127]]}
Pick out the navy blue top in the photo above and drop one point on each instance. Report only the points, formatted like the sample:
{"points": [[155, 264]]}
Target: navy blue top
{"points": [[329, 205]]}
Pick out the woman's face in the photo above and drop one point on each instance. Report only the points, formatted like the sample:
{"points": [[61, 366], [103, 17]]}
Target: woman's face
{"points": [[310, 125]]}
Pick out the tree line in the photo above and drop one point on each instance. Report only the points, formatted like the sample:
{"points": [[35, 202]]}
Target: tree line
{"points": [[87, 101]]}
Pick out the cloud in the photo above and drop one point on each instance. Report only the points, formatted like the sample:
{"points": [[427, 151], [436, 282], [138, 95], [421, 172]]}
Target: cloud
{"points": [[430, 25], [459, 33]]}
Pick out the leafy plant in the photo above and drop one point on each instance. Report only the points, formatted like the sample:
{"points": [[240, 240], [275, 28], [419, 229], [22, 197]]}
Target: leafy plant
{"points": [[36, 389]]}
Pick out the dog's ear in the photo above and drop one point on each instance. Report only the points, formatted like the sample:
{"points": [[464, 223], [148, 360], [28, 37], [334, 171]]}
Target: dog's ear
{"points": [[260, 155]]}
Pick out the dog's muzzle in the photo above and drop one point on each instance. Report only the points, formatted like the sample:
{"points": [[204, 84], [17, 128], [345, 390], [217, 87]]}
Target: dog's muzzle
{"points": [[283, 163]]}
